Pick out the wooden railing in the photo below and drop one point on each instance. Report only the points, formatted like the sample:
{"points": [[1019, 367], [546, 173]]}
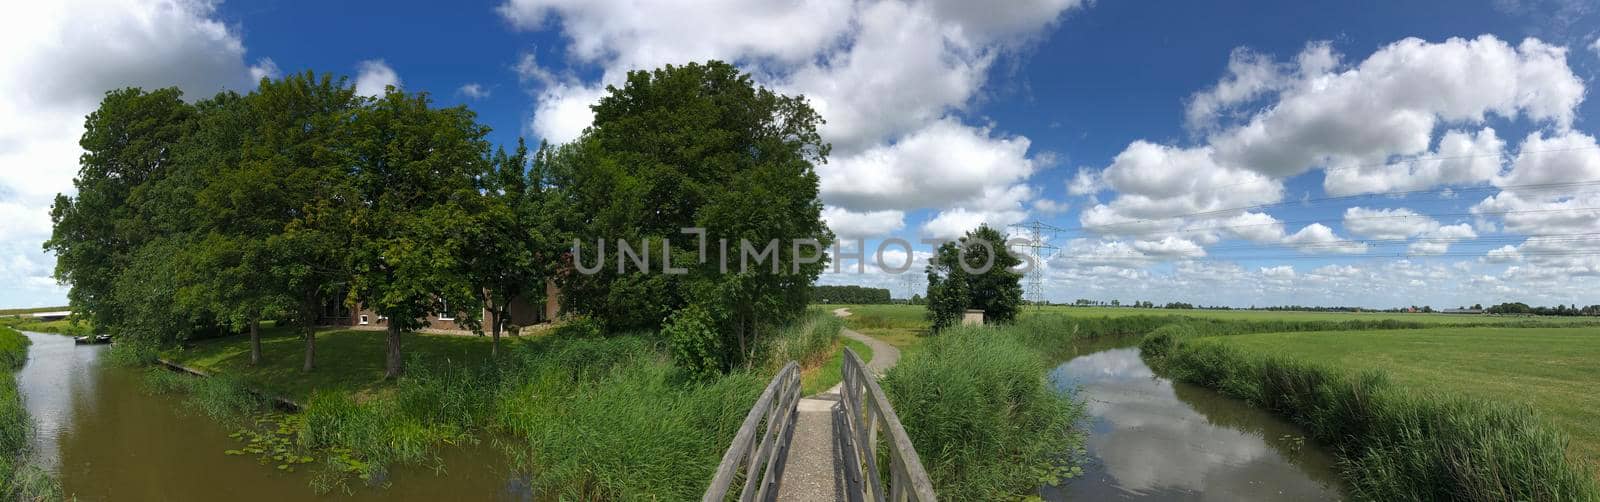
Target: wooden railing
{"points": [[771, 418], [866, 410]]}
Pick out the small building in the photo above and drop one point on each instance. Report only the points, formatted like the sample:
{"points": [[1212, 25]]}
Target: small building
{"points": [[972, 317]]}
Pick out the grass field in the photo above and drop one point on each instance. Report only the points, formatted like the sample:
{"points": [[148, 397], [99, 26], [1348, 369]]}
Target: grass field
{"points": [[1554, 370], [902, 326], [30, 310], [1265, 315]]}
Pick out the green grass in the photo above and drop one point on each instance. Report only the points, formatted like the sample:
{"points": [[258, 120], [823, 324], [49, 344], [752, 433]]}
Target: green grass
{"points": [[903, 326], [347, 360], [61, 327], [1265, 315], [985, 422], [19, 479], [829, 374], [1554, 370], [32, 310], [1394, 441]]}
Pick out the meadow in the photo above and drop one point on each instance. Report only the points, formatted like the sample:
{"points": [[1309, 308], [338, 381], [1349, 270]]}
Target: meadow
{"points": [[1552, 370]]}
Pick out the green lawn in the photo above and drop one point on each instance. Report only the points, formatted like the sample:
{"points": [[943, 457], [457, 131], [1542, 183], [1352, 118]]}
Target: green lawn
{"points": [[1555, 370], [350, 360]]}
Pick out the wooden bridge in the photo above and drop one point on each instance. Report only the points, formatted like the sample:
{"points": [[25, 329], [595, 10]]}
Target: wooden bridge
{"points": [[793, 448]]}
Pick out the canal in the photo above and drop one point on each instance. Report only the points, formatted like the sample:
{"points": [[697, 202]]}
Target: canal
{"points": [[1154, 439], [107, 439]]}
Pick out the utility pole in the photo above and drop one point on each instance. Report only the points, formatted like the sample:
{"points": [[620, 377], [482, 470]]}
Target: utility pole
{"points": [[1038, 235]]}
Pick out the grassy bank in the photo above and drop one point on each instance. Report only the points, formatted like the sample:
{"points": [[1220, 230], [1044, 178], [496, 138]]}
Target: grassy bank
{"points": [[19, 480], [984, 420], [583, 416], [1394, 443], [1553, 370], [60, 327]]}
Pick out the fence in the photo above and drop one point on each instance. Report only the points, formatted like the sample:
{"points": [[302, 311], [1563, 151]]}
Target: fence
{"points": [[866, 410], [771, 418]]}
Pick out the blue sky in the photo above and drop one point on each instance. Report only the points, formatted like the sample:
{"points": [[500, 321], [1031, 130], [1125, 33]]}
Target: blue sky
{"points": [[945, 113]]}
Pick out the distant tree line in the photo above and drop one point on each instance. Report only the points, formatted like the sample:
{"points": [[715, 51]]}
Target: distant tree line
{"points": [[849, 294], [1558, 310]]}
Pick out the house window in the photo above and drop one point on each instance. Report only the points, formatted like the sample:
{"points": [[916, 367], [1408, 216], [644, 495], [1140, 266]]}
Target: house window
{"points": [[363, 319], [444, 313]]}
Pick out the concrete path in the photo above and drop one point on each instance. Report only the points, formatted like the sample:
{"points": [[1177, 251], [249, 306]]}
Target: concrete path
{"points": [[814, 469]]}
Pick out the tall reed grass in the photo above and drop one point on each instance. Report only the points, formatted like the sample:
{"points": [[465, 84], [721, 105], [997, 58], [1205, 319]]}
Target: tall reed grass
{"points": [[19, 479], [984, 420], [1393, 443]]}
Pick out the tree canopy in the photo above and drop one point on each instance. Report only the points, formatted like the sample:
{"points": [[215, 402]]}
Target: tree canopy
{"points": [[976, 271]]}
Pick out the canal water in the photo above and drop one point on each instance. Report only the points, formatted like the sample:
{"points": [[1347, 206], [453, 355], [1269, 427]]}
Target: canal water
{"points": [[106, 439], [1154, 439]]}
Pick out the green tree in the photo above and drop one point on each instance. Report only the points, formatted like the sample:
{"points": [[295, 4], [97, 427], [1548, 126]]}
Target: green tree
{"points": [[279, 218], [97, 234], [509, 256], [415, 173], [696, 146], [976, 271]]}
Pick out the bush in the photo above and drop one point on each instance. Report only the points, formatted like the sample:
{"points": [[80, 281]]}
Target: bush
{"points": [[696, 345], [983, 418], [19, 480]]}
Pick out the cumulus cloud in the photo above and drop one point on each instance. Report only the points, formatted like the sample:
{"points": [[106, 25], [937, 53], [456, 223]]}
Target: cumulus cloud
{"points": [[373, 76], [1553, 204], [60, 59], [870, 224], [888, 77], [1391, 102], [1318, 238], [1387, 224]]}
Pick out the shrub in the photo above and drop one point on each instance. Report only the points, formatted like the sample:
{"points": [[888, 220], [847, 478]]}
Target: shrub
{"points": [[985, 422], [696, 344], [806, 341]]}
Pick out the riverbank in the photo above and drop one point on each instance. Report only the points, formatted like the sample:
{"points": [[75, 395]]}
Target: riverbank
{"points": [[19, 480], [1393, 440], [1550, 369], [581, 416]]}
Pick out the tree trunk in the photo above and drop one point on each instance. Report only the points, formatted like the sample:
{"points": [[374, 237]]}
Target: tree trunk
{"points": [[396, 364], [255, 342], [311, 351], [494, 327]]}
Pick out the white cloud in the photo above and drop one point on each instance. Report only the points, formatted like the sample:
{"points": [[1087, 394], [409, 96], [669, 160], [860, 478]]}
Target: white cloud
{"points": [[1595, 46], [1390, 103], [373, 76], [1502, 254], [1283, 272], [1549, 207], [1170, 247], [473, 90], [886, 75], [1253, 226], [1050, 207], [1460, 158], [1086, 182], [1318, 238], [952, 223], [1388, 224], [871, 224], [264, 68], [59, 60], [944, 164], [1155, 181]]}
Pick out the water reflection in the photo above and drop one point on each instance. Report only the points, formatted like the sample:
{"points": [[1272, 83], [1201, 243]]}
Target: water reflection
{"points": [[107, 440], [1153, 439]]}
